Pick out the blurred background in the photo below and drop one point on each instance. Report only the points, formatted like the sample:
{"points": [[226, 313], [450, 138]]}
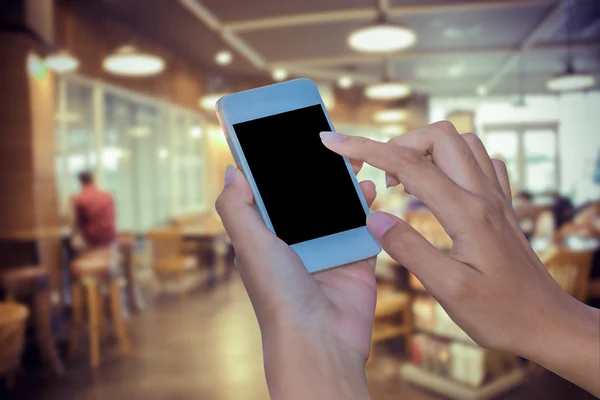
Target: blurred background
{"points": [[125, 90]]}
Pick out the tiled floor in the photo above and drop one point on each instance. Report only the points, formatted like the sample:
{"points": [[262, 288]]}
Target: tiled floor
{"points": [[207, 346]]}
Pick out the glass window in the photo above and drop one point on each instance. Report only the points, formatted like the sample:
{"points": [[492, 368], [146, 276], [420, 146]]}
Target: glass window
{"points": [[151, 153], [504, 145], [540, 159]]}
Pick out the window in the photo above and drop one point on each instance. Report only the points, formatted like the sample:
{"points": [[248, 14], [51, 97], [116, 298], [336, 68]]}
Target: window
{"points": [[147, 153]]}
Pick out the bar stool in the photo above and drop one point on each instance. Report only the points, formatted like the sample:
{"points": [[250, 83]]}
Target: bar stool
{"points": [[92, 270], [31, 285]]}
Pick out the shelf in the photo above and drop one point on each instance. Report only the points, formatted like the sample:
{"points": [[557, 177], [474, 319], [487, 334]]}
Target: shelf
{"points": [[459, 391]]}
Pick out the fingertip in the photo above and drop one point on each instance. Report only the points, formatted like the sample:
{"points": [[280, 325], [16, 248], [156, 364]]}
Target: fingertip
{"points": [[380, 222]]}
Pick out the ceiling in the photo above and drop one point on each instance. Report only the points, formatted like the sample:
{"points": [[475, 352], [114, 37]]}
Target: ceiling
{"points": [[461, 44]]}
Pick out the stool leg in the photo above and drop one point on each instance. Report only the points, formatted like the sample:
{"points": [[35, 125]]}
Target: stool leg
{"points": [[115, 309], [43, 331], [94, 322], [101, 315], [77, 303]]}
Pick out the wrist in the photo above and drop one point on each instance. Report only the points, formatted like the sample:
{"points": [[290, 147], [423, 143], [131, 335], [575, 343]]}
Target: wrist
{"points": [[310, 364], [567, 344]]}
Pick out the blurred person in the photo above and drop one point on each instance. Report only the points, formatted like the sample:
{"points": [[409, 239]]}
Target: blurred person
{"points": [[316, 329], [95, 214], [526, 212]]}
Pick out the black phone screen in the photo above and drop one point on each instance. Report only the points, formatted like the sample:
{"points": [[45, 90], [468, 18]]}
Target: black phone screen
{"points": [[306, 188]]}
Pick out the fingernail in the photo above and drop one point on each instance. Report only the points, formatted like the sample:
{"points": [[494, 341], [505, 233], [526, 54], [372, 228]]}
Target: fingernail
{"points": [[229, 174], [379, 223], [332, 137], [387, 181]]}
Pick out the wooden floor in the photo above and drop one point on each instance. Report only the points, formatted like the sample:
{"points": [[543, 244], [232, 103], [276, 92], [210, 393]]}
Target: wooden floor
{"points": [[207, 346]]}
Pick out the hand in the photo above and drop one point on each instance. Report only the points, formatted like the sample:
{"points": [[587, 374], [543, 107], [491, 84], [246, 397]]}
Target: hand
{"points": [[491, 284], [316, 329]]}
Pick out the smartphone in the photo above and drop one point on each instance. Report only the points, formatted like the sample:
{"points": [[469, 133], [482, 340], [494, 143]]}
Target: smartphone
{"points": [[305, 193]]}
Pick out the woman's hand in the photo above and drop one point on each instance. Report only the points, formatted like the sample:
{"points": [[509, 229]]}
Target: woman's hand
{"points": [[316, 329], [492, 284]]}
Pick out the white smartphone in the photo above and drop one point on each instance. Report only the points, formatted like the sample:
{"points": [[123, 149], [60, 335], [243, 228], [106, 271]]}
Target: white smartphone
{"points": [[306, 194]]}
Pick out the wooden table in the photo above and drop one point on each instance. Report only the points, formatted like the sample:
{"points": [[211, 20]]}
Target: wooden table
{"points": [[214, 232]]}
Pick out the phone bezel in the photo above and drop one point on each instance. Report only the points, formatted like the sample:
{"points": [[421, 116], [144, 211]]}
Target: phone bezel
{"points": [[323, 252]]}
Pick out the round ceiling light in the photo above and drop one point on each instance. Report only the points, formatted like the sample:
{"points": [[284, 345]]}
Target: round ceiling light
{"points": [[128, 61], [387, 91], [223, 57], [390, 115], [570, 81], [345, 82], [207, 102], [279, 74], [61, 62], [382, 37]]}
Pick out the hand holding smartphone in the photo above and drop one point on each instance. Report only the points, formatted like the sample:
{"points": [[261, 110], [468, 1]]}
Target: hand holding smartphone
{"points": [[306, 194]]}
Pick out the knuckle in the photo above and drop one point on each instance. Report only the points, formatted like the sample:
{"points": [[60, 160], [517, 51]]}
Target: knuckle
{"points": [[408, 157], [445, 127], [472, 139], [222, 203]]}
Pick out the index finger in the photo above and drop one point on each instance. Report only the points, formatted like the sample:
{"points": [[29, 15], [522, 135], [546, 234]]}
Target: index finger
{"points": [[418, 174]]}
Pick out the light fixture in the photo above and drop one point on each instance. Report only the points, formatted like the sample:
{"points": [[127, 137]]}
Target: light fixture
{"points": [[279, 74], [345, 82], [208, 101], [394, 129], [390, 115], [570, 80], [387, 90], [382, 36], [61, 62], [128, 61], [223, 57], [196, 132], [482, 90]]}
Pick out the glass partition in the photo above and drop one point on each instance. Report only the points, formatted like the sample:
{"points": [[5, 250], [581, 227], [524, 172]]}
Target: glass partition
{"points": [[151, 153]]}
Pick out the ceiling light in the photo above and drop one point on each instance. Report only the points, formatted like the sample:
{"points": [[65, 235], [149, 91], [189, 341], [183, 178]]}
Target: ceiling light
{"points": [[208, 101], [223, 57], [345, 82], [482, 90], [394, 129], [382, 37], [390, 115], [128, 61], [280, 74], [570, 81], [196, 132], [387, 91], [61, 61]]}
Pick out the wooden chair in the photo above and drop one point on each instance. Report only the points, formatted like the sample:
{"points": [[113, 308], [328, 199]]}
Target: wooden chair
{"points": [[169, 260], [393, 317], [571, 269], [427, 225], [92, 270]]}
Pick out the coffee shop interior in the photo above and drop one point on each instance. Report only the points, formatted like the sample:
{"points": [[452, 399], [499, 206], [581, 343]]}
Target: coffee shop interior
{"points": [[125, 91]]}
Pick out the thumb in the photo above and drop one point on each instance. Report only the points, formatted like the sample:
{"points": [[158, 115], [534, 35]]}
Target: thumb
{"points": [[267, 265], [411, 250]]}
